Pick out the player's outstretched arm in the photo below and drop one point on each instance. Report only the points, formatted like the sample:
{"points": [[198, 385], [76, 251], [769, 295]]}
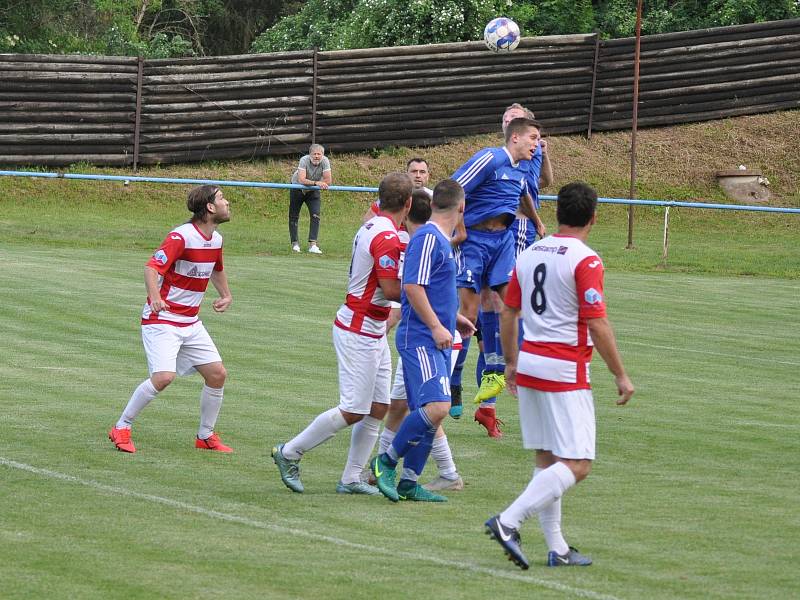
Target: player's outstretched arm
{"points": [[546, 175], [220, 281], [606, 344]]}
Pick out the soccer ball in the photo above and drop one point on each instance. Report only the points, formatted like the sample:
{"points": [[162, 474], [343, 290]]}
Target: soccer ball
{"points": [[501, 35]]}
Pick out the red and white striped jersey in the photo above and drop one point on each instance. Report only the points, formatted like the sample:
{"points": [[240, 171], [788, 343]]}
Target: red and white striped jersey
{"points": [[184, 261], [376, 254], [558, 285]]}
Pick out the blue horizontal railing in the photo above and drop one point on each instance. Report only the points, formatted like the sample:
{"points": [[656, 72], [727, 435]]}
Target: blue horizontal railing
{"points": [[347, 188]]}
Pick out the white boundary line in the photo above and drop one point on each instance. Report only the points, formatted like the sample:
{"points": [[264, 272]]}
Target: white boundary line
{"points": [[214, 514]]}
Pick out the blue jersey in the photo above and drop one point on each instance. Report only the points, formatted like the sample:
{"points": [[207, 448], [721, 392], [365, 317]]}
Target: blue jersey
{"points": [[429, 262], [492, 185], [534, 171]]}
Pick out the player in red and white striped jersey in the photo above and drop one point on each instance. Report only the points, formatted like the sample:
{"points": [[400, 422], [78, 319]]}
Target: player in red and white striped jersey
{"points": [[175, 341], [557, 286], [359, 337]]}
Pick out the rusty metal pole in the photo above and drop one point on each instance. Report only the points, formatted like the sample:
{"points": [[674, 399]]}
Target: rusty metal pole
{"points": [[634, 123]]}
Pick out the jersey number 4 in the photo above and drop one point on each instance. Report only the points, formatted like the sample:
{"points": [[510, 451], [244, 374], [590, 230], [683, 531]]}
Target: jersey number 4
{"points": [[538, 299]]}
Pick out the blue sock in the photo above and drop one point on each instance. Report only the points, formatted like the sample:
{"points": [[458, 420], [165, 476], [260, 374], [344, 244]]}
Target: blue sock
{"points": [[413, 430], [521, 334], [455, 378], [414, 461], [480, 366], [491, 340]]}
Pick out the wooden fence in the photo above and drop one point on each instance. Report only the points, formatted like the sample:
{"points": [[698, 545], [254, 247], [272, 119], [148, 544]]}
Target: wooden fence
{"points": [[57, 110]]}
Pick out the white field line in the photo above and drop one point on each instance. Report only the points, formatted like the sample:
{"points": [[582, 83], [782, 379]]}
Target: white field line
{"points": [[623, 341], [221, 516]]}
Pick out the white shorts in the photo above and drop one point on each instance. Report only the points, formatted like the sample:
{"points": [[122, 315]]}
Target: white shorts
{"points": [[399, 385], [178, 349], [365, 370], [561, 422]]}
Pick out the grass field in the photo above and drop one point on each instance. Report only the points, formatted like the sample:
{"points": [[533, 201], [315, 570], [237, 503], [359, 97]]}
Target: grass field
{"points": [[693, 494]]}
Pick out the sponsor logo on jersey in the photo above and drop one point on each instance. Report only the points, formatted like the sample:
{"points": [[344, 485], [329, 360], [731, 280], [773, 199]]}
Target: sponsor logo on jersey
{"points": [[387, 262], [594, 264], [174, 236], [195, 272], [562, 249], [388, 236], [161, 257], [368, 226], [592, 296]]}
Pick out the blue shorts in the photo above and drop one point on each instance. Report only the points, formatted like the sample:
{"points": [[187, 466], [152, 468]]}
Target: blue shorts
{"points": [[426, 372], [487, 258], [524, 232]]}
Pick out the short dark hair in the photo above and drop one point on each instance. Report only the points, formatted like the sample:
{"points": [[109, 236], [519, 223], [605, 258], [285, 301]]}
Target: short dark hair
{"points": [[577, 203], [416, 159], [519, 126], [446, 195], [420, 211], [198, 200], [395, 189]]}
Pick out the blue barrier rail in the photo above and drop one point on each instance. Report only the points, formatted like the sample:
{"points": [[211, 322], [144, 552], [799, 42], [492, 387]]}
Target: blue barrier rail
{"points": [[346, 188]]}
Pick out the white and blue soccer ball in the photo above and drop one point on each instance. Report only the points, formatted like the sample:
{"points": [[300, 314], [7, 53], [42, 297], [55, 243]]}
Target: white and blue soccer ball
{"points": [[501, 35]]}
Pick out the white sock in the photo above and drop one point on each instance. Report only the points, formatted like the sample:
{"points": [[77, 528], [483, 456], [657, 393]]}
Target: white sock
{"points": [[386, 439], [444, 458], [362, 441], [545, 488], [141, 397], [210, 403], [320, 430], [550, 520]]}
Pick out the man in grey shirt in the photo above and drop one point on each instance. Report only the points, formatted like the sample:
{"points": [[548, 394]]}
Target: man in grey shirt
{"points": [[314, 169]]}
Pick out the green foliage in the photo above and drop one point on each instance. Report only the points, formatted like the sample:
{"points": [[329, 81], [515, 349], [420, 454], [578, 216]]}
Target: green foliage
{"points": [[164, 28], [617, 18], [341, 24]]}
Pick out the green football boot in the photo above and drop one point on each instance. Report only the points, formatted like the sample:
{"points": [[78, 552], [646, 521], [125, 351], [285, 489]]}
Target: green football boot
{"points": [[492, 384], [410, 490], [384, 478], [289, 470]]}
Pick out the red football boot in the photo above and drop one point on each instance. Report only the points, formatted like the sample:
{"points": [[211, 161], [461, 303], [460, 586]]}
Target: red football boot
{"points": [[212, 443], [122, 439], [485, 415]]}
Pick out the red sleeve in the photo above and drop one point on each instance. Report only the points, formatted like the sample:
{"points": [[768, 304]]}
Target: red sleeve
{"points": [[219, 266], [589, 287], [168, 252], [513, 297], [385, 250]]}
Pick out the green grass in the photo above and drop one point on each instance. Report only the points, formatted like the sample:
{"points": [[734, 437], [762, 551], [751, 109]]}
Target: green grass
{"points": [[692, 494]]}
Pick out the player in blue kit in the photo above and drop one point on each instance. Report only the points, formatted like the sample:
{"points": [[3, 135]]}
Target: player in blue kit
{"points": [[424, 338], [494, 179], [525, 228]]}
